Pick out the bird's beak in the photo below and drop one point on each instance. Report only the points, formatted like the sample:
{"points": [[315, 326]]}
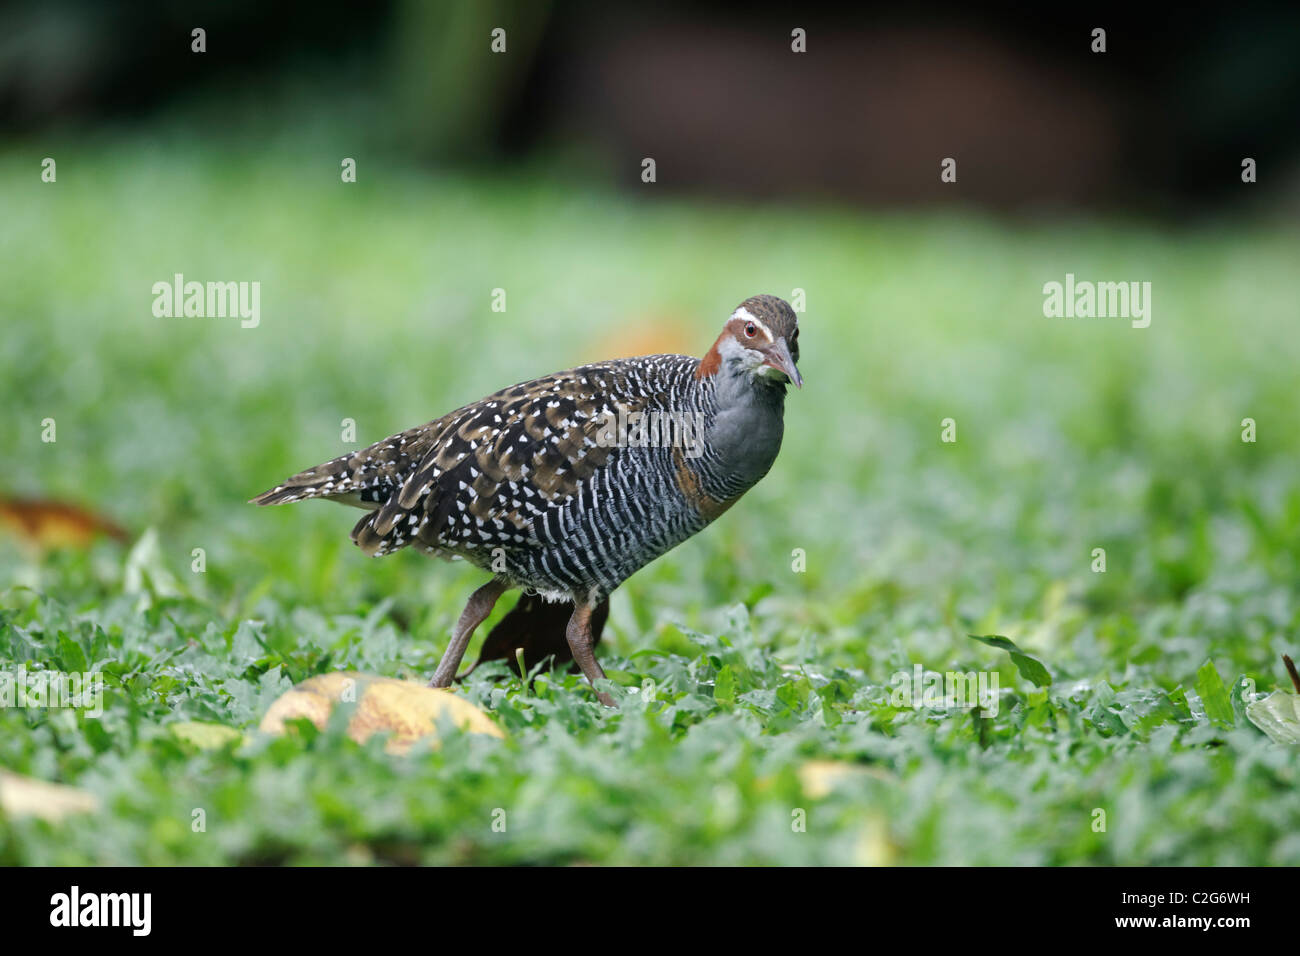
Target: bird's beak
{"points": [[779, 358]]}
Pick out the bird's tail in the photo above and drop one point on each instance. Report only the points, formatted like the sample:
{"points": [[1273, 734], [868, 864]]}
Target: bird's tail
{"points": [[333, 479]]}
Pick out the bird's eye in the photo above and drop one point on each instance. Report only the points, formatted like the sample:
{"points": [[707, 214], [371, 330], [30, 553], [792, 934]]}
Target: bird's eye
{"points": [[750, 330]]}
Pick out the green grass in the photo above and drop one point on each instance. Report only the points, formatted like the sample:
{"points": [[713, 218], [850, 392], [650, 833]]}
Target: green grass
{"points": [[1072, 435]]}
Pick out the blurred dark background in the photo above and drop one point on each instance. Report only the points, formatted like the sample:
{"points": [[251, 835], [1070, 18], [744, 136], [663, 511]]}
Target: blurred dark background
{"points": [[713, 93]]}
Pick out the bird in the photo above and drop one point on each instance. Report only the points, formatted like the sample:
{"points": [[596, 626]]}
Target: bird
{"points": [[566, 485]]}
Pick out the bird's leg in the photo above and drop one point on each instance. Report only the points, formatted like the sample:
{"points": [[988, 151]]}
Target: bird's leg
{"points": [[479, 607], [578, 634]]}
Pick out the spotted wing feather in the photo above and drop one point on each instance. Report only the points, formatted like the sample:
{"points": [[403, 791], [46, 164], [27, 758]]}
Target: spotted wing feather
{"points": [[365, 478], [500, 465]]}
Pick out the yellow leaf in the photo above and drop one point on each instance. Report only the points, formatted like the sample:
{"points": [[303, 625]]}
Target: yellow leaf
{"points": [[819, 777], [205, 736]]}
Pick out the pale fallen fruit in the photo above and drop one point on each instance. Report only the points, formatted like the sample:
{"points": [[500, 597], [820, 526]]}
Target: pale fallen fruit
{"points": [[27, 797], [407, 709]]}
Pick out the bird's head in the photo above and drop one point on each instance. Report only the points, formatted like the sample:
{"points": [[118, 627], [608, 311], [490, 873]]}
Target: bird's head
{"points": [[761, 341]]}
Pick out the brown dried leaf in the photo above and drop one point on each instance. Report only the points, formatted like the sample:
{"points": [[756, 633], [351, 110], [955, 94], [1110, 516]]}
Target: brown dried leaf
{"points": [[55, 524]]}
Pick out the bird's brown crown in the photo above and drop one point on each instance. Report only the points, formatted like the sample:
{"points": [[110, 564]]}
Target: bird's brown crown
{"points": [[777, 315], [759, 322]]}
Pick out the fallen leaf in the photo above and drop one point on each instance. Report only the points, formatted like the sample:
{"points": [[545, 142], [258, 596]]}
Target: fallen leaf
{"points": [[873, 846], [55, 524], [27, 797], [204, 735], [819, 777]]}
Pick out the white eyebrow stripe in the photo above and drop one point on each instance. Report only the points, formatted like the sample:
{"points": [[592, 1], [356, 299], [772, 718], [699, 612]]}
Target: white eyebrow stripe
{"points": [[744, 313]]}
